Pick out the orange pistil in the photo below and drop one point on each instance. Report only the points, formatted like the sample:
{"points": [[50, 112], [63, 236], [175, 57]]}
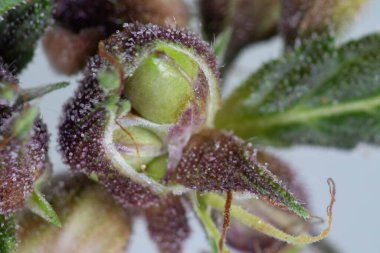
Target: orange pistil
{"points": [[134, 143], [227, 220]]}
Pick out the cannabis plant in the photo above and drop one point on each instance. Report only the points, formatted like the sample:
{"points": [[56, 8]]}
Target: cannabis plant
{"points": [[147, 134]]}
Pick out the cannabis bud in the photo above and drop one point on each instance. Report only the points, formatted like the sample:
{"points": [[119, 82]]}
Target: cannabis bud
{"points": [[143, 96], [249, 21], [23, 145], [167, 224], [159, 12], [67, 51], [76, 15], [80, 25], [303, 19], [74, 36], [91, 220], [20, 29], [245, 239], [141, 123]]}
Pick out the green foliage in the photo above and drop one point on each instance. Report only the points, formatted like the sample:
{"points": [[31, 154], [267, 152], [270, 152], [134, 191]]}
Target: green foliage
{"points": [[222, 41], [319, 94], [6, 92], [27, 95], [203, 212], [24, 123], [6, 5], [40, 206], [7, 233], [20, 29]]}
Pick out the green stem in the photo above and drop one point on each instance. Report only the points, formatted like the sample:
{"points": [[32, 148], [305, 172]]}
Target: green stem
{"points": [[260, 225], [212, 231]]}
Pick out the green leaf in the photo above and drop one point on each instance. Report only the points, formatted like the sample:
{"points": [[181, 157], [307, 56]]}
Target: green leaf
{"points": [[222, 42], [33, 93], [20, 29], [24, 122], [7, 233], [40, 206], [6, 5], [218, 161], [319, 94]]}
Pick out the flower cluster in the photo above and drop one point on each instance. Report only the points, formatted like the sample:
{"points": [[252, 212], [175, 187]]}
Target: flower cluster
{"points": [[148, 135]]}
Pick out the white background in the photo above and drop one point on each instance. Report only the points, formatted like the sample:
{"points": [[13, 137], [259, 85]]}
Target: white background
{"points": [[356, 172]]}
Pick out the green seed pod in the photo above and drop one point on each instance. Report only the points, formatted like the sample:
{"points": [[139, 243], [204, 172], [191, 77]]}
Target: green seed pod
{"points": [[170, 79], [91, 221], [20, 28], [249, 20]]}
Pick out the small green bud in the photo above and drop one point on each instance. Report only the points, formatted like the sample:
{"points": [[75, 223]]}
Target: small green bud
{"points": [[91, 221], [124, 108], [109, 79]]}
